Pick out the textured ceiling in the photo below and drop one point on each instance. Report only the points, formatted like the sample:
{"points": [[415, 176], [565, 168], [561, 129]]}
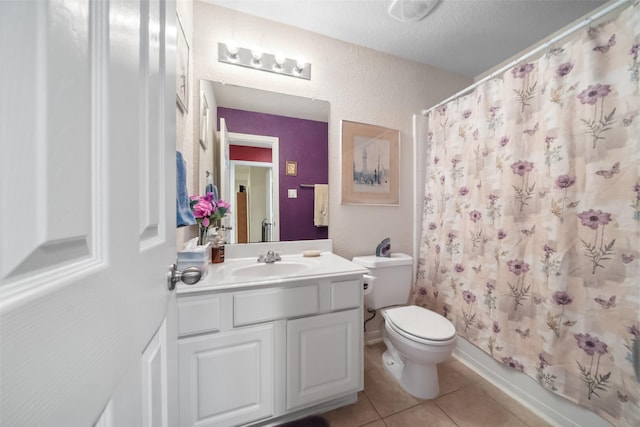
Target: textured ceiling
{"points": [[463, 36]]}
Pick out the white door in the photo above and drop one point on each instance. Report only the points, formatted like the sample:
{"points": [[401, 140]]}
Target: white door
{"points": [[227, 185], [87, 133]]}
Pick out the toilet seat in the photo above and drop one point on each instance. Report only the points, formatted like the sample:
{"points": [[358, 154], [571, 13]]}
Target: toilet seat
{"points": [[420, 325]]}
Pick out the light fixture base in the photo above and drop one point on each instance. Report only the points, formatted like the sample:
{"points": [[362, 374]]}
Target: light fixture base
{"points": [[267, 62], [411, 10]]}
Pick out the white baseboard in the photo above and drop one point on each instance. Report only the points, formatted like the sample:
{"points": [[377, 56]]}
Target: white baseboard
{"points": [[552, 407], [372, 337]]}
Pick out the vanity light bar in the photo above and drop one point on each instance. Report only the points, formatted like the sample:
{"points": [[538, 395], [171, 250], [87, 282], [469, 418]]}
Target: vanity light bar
{"points": [[263, 61]]}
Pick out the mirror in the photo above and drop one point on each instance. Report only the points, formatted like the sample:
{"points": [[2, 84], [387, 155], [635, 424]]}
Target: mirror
{"points": [[257, 135]]}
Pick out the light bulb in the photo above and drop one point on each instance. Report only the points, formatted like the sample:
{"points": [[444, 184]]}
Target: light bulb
{"points": [[232, 49], [300, 64], [279, 60], [256, 53]]}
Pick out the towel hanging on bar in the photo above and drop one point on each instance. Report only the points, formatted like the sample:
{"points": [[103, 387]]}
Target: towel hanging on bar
{"points": [[321, 205]]}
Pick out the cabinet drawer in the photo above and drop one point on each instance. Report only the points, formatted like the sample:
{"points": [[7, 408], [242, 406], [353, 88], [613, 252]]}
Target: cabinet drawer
{"points": [[346, 294], [271, 304], [198, 315]]}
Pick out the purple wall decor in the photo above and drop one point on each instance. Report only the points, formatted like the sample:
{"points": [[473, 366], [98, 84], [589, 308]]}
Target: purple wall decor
{"points": [[302, 141]]}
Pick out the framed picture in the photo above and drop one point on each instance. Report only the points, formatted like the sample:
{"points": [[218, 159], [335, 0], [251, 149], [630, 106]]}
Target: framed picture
{"points": [[182, 68], [292, 168], [204, 120], [370, 165]]}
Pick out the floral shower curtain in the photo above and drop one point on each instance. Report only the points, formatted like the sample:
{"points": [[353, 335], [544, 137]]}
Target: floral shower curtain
{"points": [[531, 217]]}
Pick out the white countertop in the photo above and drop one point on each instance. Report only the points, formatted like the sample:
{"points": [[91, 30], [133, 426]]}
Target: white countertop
{"points": [[224, 276]]}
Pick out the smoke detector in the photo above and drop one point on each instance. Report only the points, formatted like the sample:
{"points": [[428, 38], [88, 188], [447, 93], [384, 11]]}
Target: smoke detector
{"points": [[411, 10]]}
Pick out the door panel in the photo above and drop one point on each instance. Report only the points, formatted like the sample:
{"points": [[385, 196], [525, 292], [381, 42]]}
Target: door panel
{"points": [[87, 224], [322, 357], [227, 378]]}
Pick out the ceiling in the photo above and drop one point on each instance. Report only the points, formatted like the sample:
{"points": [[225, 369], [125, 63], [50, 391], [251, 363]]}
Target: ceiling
{"points": [[467, 37]]}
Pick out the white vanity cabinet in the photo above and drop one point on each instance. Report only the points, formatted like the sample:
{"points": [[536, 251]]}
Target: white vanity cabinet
{"points": [[256, 354], [323, 357], [227, 378]]}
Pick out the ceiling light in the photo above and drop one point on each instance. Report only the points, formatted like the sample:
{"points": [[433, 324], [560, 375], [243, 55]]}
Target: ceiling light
{"points": [[411, 10]]}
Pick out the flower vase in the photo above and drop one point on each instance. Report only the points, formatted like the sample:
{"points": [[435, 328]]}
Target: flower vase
{"points": [[202, 234]]}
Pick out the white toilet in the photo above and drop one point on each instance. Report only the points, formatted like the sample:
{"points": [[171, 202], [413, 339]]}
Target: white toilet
{"points": [[417, 339]]}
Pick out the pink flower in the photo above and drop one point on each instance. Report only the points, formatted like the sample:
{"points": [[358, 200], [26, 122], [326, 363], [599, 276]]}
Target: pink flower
{"points": [[565, 181], [564, 69], [517, 266], [520, 71], [562, 298], [548, 249], [459, 268], [423, 290], [513, 363], [590, 345], [493, 197], [475, 215], [496, 327], [593, 219], [202, 209], [463, 191], [432, 226], [634, 49], [591, 94], [469, 297], [501, 234], [504, 141], [206, 210], [466, 114], [521, 167]]}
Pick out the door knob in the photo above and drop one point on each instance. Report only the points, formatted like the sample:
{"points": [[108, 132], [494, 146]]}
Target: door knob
{"points": [[190, 276]]}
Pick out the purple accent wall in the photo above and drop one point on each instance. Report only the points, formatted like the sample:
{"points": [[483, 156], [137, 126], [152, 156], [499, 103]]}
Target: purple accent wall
{"points": [[302, 141]]}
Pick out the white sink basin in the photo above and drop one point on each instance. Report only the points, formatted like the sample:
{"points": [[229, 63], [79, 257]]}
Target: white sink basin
{"points": [[278, 268]]}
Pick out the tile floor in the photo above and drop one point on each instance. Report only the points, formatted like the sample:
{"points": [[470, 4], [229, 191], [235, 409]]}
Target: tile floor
{"points": [[466, 399]]}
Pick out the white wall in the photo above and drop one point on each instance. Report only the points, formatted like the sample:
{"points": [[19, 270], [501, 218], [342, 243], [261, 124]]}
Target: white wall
{"points": [[361, 85]]}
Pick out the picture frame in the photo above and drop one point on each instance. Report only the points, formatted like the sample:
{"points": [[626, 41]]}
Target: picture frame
{"points": [[204, 120], [182, 68], [291, 168], [370, 164]]}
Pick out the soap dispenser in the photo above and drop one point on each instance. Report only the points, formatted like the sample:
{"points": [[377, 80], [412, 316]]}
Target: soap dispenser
{"points": [[217, 249]]}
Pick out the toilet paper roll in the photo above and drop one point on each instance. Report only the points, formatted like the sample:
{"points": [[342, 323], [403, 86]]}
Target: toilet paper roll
{"points": [[368, 283]]}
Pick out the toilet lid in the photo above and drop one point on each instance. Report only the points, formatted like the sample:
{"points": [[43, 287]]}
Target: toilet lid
{"points": [[421, 323]]}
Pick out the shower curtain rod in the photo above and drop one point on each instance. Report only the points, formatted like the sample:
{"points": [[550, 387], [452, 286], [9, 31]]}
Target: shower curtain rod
{"points": [[544, 46]]}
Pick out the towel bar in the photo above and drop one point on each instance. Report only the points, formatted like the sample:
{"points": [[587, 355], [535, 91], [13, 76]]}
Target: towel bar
{"points": [[307, 185]]}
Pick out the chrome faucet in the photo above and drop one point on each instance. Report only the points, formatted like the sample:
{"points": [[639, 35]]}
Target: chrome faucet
{"points": [[270, 257]]}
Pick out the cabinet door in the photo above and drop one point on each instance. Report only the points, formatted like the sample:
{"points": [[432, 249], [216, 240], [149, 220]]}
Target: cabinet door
{"points": [[227, 379], [324, 357]]}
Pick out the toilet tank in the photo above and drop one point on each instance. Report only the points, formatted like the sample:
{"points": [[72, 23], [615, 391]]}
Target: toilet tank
{"points": [[392, 284]]}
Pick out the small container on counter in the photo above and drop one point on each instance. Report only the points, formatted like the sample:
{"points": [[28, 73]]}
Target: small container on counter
{"points": [[217, 249]]}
